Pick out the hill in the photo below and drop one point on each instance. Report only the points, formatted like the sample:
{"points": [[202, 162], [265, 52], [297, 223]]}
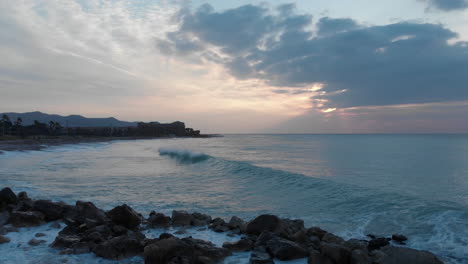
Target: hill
{"points": [[71, 120]]}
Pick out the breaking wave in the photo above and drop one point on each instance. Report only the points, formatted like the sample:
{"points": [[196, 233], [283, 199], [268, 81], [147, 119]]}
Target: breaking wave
{"points": [[184, 156]]}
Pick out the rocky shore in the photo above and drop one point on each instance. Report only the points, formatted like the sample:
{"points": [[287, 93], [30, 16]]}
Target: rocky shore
{"points": [[119, 233]]}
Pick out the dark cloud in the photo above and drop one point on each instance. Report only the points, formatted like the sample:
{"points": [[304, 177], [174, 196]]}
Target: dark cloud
{"points": [[377, 65], [449, 5]]}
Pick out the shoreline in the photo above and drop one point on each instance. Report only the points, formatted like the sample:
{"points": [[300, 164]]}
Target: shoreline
{"points": [[122, 233], [40, 143]]}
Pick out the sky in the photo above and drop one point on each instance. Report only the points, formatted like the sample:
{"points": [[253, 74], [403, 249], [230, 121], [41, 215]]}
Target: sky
{"points": [[321, 66]]}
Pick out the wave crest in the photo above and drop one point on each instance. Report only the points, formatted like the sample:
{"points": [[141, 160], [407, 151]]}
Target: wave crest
{"points": [[184, 156]]}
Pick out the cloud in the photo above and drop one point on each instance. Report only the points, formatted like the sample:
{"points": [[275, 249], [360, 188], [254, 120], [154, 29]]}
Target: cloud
{"points": [[448, 5], [400, 63]]}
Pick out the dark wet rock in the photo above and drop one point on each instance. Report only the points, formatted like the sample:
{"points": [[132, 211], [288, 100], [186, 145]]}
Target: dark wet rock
{"points": [[244, 244], [285, 250], [316, 231], [236, 222], [23, 196], [181, 218], [119, 248], [7, 196], [104, 231], [124, 215], [175, 250], [36, 242], [26, 219], [356, 244], [7, 229], [181, 232], [270, 223], [166, 236], [56, 225], [377, 243], [315, 257], [51, 210], [313, 242], [300, 237], [359, 256], [221, 228], [40, 235], [4, 239], [159, 220], [399, 238], [82, 247], [199, 219], [119, 230], [65, 241], [336, 252], [400, 255], [292, 226], [4, 217], [331, 238], [87, 211], [371, 236], [95, 237], [260, 257]]}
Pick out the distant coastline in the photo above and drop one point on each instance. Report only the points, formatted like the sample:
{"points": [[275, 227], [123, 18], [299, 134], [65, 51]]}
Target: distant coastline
{"points": [[42, 142]]}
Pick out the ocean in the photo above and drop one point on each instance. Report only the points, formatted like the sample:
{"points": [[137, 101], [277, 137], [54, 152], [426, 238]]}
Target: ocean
{"points": [[351, 185]]}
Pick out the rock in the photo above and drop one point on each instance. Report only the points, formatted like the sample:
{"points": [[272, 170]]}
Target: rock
{"points": [[23, 196], [236, 222], [87, 210], [336, 252], [399, 238], [359, 256], [270, 223], [124, 215], [260, 257], [82, 247], [119, 248], [292, 226], [181, 218], [356, 244], [40, 235], [281, 248], [4, 239], [216, 222], [65, 241], [4, 217], [400, 255], [199, 219], [36, 242], [315, 257], [8, 228], [51, 210], [300, 237], [314, 242], [221, 228], [244, 244], [7, 196], [377, 243], [159, 220], [331, 238], [316, 231], [175, 250], [104, 231], [26, 219]]}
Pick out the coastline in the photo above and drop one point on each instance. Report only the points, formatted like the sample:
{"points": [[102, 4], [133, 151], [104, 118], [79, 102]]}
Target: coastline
{"points": [[122, 233], [39, 143]]}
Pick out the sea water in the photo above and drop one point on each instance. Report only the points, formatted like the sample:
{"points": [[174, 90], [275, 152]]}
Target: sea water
{"points": [[352, 185]]}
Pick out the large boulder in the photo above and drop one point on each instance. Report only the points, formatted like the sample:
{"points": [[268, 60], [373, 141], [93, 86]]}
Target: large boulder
{"points": [[400, 255], [244, 244], [315, 257], [199, 219], [119, 248], [175, 250], [84, 211], [284, 249], [65, 241], [26, 219], [377, 243], [181, 218], [236, 222], [269, 223], [159, 220], [8, 196], [124, 215], [316, 231], [51, 210], [4, 217], [336, 252]]}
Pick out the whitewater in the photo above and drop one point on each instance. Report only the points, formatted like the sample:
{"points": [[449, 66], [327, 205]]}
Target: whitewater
{"points": [[352, 185]]}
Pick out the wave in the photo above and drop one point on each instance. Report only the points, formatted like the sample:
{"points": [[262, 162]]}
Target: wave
{"points": [[184, 156]]}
